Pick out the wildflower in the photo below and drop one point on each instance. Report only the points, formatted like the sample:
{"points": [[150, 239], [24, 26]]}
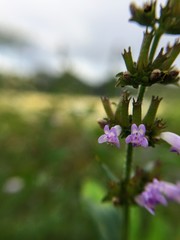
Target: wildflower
{"points": [[111, 135], [158, 192], [137, 136], [173, 139]]}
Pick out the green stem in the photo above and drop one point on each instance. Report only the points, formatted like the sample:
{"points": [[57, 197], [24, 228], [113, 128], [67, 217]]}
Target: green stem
{"points": [[126, 222], [128, 162], [129, 156], [141, 93], [140, 96], [157, 37], [126, 210]]}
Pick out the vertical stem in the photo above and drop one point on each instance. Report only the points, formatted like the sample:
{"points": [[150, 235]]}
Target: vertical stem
{"points": [[128, 162], [157, 37], [141, 93], [126, 210], [127, 172], [126, 222]]}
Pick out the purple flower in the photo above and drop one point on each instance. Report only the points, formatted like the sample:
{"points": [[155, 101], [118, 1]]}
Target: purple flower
{"points": [[171, 191], [111, 135], [158, 192], [173, 139], [137, 136]]}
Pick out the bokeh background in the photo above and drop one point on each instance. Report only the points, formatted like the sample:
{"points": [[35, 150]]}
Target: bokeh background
{"points": [[56, 59]]}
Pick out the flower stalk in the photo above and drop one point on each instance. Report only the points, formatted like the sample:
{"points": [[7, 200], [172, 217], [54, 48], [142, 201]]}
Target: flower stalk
{"points": [[155, 43], [141, 93], [143, 188], [126, 209]]}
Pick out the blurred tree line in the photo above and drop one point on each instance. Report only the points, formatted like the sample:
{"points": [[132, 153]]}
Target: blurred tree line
{"points": [[66, 83]]}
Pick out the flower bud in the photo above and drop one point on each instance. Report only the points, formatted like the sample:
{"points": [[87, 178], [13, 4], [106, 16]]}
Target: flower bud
{"points": [[136, 116], [102, 123], [127, 56], [144, 15], [143, 56], [155, 75], [121, 114], [123, 79], [151, 113], [107, 107], [171, 54], [171, 77], [169, 19]]}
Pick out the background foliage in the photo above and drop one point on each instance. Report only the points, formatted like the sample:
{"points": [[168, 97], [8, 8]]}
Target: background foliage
{"points": [[51, 183]]}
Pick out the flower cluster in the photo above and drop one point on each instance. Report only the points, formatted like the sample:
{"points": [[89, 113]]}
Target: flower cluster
{"points": [[158, 192], [142, 186], [136, 138]]}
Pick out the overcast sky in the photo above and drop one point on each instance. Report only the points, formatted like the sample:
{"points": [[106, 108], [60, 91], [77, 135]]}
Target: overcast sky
{"points": [[87, 36]]}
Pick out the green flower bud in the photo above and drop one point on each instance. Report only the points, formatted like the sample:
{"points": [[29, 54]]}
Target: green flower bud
{"points": [[123, 79], [143, 15], [154, 130], [127, 56], [151, 113], [107, 107], [171, 54], [122, 110], [136, 116], [143, 56], [159, 60], [170, 77], [102, 123], [155, 75], [169, 21]]}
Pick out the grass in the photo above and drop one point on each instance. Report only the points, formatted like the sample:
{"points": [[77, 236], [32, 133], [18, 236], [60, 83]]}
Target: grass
{"points": [[51, 184]]}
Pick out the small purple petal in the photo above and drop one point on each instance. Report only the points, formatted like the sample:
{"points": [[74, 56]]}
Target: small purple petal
{"points": [[144, 142], [128, 139], [173, 139], [142, 129], [102, 138], [171, 191], [173, 149], [106, 129], [118, 129], [140, 200], [134, 128], [113, 132]]}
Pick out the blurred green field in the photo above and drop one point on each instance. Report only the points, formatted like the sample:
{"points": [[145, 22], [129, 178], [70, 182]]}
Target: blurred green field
{"points": [[51, 184]]}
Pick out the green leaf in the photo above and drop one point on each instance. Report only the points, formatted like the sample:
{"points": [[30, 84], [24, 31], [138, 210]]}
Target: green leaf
{"points": [[143, 56]]}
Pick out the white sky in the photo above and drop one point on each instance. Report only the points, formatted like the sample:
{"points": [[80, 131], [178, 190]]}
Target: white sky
{"points": [[85, 35]]}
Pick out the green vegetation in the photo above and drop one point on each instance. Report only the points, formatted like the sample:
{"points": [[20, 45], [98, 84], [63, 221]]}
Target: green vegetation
{"points": [[51, 182]]}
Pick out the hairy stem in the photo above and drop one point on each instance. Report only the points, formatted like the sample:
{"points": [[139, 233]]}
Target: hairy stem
{"points": [[126, 210], [126, 222], [128, 162]]}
